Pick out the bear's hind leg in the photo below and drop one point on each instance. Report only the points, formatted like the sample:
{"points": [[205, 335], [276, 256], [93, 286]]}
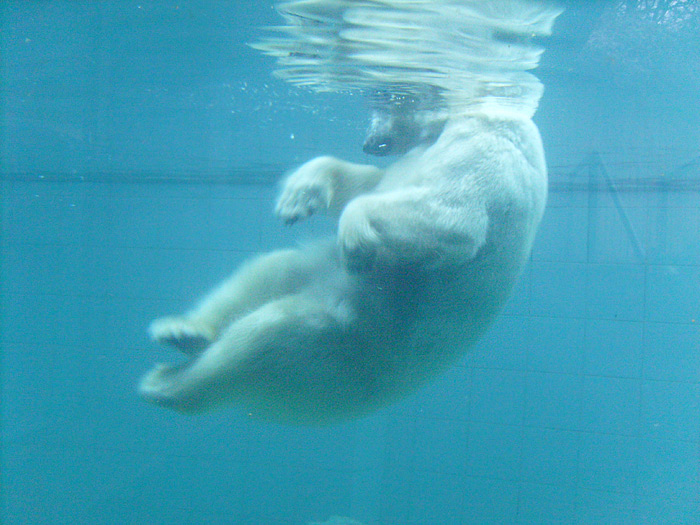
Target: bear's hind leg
{"points": [[257, 282], [281, 356]]}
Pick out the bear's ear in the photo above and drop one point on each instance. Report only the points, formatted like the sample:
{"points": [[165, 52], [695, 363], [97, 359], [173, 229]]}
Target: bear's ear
{"points": [[430, 122]]}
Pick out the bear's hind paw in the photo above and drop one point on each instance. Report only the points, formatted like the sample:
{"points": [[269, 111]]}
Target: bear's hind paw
{"points": [[187, 336], [158, 386]]}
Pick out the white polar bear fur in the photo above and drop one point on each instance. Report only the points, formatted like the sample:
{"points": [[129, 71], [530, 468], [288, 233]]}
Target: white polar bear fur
{"points": [[427, 253]]}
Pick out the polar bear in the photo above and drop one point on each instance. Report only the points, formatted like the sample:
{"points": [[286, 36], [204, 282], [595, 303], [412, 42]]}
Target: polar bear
{"points": [[426, 254]]}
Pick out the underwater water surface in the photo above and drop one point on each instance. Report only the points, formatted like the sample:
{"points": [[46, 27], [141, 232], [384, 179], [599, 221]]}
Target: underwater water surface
{"points": [[141, 145]]}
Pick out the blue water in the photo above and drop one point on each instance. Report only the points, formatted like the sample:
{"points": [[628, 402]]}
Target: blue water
{"points": [[140, 146]]}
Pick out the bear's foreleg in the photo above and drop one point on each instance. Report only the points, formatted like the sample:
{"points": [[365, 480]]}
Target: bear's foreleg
{"points": [[324, 183], [412, 226]]}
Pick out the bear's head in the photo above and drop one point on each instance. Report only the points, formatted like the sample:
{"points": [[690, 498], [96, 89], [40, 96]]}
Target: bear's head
{"points": [[401, 122]]}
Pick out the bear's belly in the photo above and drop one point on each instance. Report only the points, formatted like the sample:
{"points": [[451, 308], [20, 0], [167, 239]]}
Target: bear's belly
{"points": [[406, 330]]}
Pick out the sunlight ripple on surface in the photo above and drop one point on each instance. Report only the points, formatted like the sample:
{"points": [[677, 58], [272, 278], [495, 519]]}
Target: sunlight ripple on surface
{"points": [[471, 53]]}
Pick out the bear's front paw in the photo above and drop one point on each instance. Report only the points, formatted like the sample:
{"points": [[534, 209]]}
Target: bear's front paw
{"points": [[306, 191], [185, 335], [359, 240]]}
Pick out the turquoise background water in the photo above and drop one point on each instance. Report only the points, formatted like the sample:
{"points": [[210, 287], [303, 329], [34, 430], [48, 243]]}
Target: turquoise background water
{"points": [[140, 147]]}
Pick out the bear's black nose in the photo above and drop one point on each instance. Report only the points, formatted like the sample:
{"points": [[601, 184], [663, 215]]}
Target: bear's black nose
{"points": [[379, 146]]}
